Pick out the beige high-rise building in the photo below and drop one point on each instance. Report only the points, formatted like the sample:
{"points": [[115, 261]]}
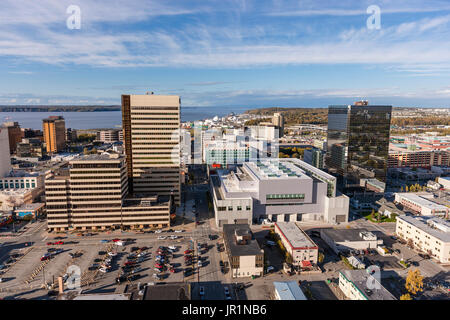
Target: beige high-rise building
{"points": [[94, 194], [54, 133], [151, 133], [278, 121]]}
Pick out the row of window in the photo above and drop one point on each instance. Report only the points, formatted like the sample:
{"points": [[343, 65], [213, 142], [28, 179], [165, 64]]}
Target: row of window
{"points": [[230, 208], [17, 185], [299, 196]]}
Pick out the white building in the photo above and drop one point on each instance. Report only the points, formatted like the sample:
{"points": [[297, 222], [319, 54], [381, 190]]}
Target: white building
{"points": [[5, 160], [349, 239], [185, 147], [288, 290], [445, 182], [279, 190], [303, 250], [356, 285], [418, 203], [428, 234]]}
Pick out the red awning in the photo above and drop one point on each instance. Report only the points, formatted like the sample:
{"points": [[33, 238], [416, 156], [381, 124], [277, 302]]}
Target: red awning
{"points": [[306, 263]]}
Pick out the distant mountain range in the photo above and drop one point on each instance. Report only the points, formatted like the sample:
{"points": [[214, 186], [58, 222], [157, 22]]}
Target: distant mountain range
{"points": [[55, 108]]}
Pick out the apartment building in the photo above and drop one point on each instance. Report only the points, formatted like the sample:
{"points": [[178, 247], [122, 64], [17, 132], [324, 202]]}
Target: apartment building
{"points": [[315, 157], [152, 143], [418, 159], [418, 203], [303, 250], [244, 254], [94, 194], [54, 133], [356, 285], [428, 234]]}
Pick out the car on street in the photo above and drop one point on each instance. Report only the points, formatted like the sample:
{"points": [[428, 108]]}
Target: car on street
{"points": [[49, 243], [227, 293], [115, 240], [199, 264], [172, 248], [103, 270], [158, 231], [178, 231], [162, 238], [187, 251], [43, 258]]}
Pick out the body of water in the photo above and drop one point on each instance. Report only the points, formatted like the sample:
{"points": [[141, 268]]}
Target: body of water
{"points": [[108, 119]]}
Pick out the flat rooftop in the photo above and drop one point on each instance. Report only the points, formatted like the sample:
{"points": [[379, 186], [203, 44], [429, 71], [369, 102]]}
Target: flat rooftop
{"points": [[31, 206], [250, 249], [421, 201], [342, 235], [98, 157], [423, 223], [289, 290], [359, 280], [168, 291], [296, 237], [275, 169]]}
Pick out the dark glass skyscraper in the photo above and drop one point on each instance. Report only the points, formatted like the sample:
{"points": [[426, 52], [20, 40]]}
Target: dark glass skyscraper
{"points": [[358, 142]]}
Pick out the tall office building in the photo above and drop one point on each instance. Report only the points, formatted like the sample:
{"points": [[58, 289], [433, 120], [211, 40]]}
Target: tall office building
{"points": [[93, 194], [54, 133], [5, 160], [278, 121], [151, 133], [358, 142], [15, 135]]}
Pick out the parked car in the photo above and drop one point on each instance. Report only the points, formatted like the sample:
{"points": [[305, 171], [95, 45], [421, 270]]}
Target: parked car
{"points": [[199, 264], [178, 231], [270, 269], [187, 251], [162, 238]]}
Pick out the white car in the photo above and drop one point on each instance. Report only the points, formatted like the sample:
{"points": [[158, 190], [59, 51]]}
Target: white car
{"points": [[112, 254], [199, 264], [178, 231], [173, 237], [104, 270], [172, 248], [162, 238], [158, 231], [270, 269]]}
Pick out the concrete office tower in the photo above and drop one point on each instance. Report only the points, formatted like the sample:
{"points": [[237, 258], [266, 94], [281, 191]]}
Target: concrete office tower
{"points": [[94, 194], [108, 135], [278, 121], [54, 133], [151, 132], [5, 160], [15, 135], [358, 143]]}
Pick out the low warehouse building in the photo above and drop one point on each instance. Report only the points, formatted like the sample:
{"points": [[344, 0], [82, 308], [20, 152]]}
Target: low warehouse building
{"points": [[349, 239], [288, 290]]}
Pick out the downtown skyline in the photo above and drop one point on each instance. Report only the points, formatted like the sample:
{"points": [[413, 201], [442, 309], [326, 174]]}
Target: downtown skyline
{"points": [[234, 53]]}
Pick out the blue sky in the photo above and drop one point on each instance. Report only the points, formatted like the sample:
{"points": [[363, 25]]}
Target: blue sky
{"points": [[256, 53]]}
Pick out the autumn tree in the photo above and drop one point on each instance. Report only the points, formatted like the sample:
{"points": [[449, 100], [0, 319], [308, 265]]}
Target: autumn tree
{"points": [[405, 296], [414, 281]]}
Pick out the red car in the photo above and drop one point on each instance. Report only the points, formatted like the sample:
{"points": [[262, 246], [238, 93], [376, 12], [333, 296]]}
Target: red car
{"points": [[187, 251], [49, 243], [157, 265], [172, 270], [45, 258], [59, 242], [115, 240]]}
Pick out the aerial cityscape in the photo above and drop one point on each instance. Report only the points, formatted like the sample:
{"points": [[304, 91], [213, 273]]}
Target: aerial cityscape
{"points": [[210, 171]]}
